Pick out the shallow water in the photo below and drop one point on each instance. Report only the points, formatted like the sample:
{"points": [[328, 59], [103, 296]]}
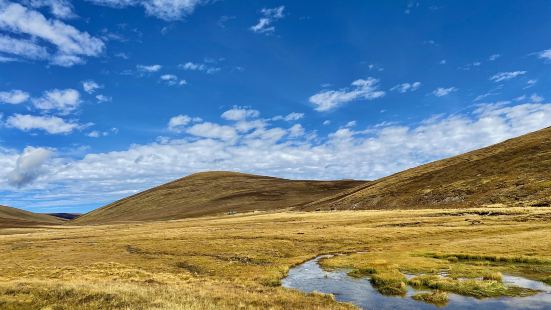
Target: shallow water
{"points": [[309, 277]]}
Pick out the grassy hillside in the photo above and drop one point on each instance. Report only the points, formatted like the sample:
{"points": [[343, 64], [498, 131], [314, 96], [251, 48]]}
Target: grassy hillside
{"points": [[12, 217], [514, 172], [211, 193]]}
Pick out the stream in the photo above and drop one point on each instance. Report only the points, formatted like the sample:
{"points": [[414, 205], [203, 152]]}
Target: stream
{"points": [[310, 277]]}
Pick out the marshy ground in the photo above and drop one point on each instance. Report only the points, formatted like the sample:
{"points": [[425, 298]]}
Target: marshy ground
{"points": [[238, 261]]}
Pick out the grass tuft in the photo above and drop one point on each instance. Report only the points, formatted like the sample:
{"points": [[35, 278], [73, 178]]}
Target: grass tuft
{"points": [[437, 298]]}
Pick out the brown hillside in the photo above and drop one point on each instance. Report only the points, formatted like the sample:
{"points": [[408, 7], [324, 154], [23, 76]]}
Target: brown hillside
{"points": [[514, 172], [12, 217], [210, 193]]}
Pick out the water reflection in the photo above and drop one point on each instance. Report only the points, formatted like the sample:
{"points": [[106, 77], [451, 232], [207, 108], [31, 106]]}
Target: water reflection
{"points": [[310, 277]]}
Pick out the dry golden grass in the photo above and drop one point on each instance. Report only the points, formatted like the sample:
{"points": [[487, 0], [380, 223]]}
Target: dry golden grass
{"points": [[233, 262]]}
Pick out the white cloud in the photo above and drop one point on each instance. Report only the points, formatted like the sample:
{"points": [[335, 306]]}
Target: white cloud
{"points": [[172, 80], [536, 98], [29, 166], [296, 131], [192, 66], [90, 86], [212, 130], [64, 100], [494, 57], [361, 89], [505, 76], [326, 122], [545, 54], [293, 116], [59, 8], [149, 68], [14, 96], [530, 83], [441, 91], [405, 87], [443, 62], [351, 124], [24, 48], [358, 153], [178, 122], [49, 124], [239, 114], [269, 16], [102, 98], [70, 44], [168, 10]]}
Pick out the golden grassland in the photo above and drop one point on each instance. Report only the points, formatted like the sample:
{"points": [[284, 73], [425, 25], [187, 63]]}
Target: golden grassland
{"points": [[237, 262]]}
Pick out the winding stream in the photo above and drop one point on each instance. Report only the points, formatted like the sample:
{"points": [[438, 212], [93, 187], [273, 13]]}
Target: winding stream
{"points": [[310, 277]]}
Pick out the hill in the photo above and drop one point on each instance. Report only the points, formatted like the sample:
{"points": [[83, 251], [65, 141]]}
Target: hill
{"points": [[514, 172], [211, 193], [65, 216], [12, 217]]}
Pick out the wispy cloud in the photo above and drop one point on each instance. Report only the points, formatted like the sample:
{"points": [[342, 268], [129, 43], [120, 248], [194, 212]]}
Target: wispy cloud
{"points": [[71, 45], [441, 91], [169, 10], [269, 16], [405, 87], [505, 76]]}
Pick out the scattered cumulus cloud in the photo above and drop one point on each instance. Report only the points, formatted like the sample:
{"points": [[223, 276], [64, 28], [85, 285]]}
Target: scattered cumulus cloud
{"points": [[359, 153], [90, 86], [172, 80], [267, 19], [213, 131], [62, 100], [14, 96], [441, 91], [178, 122], [327, 100], [239, 114], [50, 124], [505, 76]]}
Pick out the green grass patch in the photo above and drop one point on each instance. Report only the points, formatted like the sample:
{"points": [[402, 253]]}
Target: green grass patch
{"points": [[473, 288], [437, 298], [489, 258], [389, 283]]}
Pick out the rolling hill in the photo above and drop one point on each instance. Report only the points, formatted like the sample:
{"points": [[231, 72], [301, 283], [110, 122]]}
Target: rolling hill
{"points": [[12, 217], [211, 193], [514, 172]]}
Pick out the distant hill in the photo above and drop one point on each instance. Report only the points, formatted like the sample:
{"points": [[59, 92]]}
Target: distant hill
{"points": [[514, 172], [65, 216], [212, 193], [12, 217]]}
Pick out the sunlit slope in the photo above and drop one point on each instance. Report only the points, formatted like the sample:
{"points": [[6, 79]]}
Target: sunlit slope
{"points": [[211, 193], [12, 217], [514, 172]]}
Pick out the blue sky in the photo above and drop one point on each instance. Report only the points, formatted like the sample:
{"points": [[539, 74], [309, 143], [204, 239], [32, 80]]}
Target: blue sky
{"points": [[100, 99]]}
